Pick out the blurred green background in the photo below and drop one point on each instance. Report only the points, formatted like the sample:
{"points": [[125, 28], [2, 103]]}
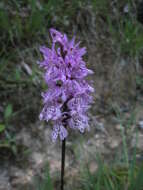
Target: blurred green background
{"points": [[114, 39]]}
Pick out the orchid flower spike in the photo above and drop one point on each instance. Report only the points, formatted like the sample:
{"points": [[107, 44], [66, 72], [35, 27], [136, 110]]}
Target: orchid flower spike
{"points": [[69, 95]]}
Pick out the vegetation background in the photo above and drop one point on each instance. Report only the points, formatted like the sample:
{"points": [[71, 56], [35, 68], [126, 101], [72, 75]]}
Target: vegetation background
{"points": [[110, 156]]}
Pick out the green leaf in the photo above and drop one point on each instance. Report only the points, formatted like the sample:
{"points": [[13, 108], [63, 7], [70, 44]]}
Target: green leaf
{"points": [[17, 74], [8, 111], [2, 127], [46, 183], [4, 20]]}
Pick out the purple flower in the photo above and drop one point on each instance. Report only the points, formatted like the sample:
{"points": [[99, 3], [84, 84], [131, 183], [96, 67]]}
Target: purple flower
{"points": [[69, 95]]}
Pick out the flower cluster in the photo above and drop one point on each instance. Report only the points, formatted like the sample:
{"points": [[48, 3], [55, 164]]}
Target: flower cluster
{"points": [[68, 96]]}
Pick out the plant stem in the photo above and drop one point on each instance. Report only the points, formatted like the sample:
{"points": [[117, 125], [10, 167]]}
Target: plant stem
{"points": [[63, 163]]}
